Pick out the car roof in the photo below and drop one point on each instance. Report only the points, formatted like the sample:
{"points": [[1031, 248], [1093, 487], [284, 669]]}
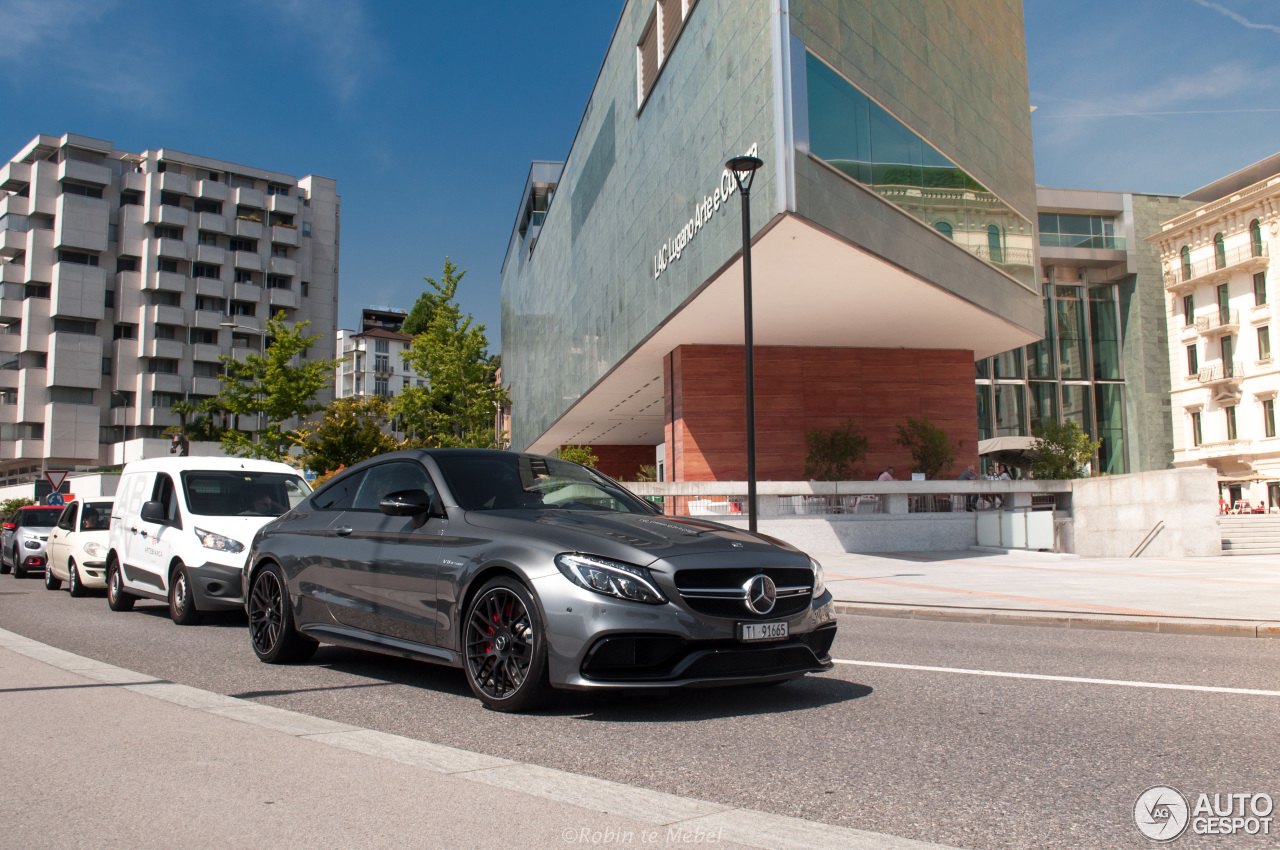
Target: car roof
{"points": [[191, 464], [38, 507]]}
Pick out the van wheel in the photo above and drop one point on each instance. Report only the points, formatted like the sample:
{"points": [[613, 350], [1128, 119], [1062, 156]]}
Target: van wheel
{"points": [[74, 585], [271, 626], [50, 582], [117, 598], [182, 605]]}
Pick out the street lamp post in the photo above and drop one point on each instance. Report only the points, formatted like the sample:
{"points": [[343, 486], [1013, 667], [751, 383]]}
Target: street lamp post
{"points": [[743, 169]]}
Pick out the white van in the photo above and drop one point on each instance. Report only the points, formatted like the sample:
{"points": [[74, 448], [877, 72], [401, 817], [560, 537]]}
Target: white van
{"points": [[181, 529]]}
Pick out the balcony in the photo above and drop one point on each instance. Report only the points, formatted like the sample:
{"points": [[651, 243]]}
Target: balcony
{"points": [[10, 310], [168, 281], [174, 249], [248, 228], [175, 216], [245, 324], [284, 266], [211, 254], [133, 181], [284, 234], [81, 223], [1249, 257], [282, 298], [208, 319], [162, 382], [284, 204], [247, 260], [171, 181], [1222, 322], [205, 353], [77, 291], [205, 386], [12, 242], [13, 273], [84, 172], [170, 349], [211, 190], [13, 205], [164, 314], [1216, 374], [247, 292], [211, 286], [212, 222], [15, 175], [1224, 448], [255, 198]]}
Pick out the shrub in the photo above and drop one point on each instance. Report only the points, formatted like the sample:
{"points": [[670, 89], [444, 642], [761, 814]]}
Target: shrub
{"points": [[832, 454]]}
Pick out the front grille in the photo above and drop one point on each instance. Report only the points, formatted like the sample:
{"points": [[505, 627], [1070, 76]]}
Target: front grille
{"points": [[718, 592], [656, 658]]}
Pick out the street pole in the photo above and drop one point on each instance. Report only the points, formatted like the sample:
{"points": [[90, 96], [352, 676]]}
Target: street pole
{"points": [[743, 169]]}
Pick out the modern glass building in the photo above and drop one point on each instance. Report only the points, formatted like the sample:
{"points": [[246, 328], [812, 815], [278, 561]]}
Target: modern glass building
{"points": [[1103, 302], [893, 229]]}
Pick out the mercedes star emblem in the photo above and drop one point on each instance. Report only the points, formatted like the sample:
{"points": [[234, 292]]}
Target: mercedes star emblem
{"points": [[761, 593]]}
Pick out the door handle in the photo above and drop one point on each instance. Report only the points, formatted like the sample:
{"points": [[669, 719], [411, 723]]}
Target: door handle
{"points": [[134, 530], [343, 531]]}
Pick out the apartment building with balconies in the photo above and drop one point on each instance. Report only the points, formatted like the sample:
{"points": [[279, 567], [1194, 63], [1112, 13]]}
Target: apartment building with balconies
{"points": [[125, 276], [1218, 267], [373, 363]]}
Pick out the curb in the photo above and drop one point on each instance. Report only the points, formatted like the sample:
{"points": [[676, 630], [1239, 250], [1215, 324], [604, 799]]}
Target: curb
{"points": [[1023, 553], [687, 816], [1065, 620]]}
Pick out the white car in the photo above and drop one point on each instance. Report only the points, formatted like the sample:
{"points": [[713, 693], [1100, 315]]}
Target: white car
{"points": [[78, 547], [181, 528]]}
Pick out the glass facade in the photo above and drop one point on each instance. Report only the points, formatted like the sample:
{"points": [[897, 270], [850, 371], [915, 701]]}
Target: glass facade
{"points": [[859, 138], [1075, 373], [1061, 230]]}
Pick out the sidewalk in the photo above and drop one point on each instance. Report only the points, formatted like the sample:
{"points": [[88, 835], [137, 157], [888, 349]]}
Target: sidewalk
{"points": [[99, 756], [1224, 595]]}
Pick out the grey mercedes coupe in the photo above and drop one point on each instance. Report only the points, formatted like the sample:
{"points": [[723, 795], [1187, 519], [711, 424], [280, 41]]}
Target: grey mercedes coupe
{"points": [[531, 573]]}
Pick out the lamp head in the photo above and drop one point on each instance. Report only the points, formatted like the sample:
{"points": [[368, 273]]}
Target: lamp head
{"points": [[744, 169]]}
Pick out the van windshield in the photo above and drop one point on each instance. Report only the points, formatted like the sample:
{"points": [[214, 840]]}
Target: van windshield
{"points": [[242, 493]]}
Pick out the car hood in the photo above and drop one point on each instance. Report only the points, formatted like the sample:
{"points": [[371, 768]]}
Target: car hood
{"points": [[35, 529], [635, 538]]}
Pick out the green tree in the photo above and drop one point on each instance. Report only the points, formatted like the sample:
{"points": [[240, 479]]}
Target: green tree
{"points": [[274, 388], [456, 408], [8, 506], [832, 454], [1062, 450], [424, 309], [351, 430], [932, 451], [648, 472], [579, 454], [183, 410]]}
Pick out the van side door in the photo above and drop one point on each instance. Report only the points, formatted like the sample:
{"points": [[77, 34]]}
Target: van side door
{"points": [[158, 540]]}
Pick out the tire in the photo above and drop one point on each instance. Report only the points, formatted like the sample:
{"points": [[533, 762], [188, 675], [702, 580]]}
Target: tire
{"points": [[50, 583], [4, 567], [272, 633], [505, 647], [182, 603], [18, 570], [74, 585], [118, 599]]}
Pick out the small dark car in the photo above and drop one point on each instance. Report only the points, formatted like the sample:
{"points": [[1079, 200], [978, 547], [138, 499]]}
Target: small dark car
{"points": [[530, 573]]}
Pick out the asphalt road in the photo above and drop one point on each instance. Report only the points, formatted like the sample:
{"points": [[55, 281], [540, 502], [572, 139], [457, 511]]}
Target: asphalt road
{"points": [[968, 760]]}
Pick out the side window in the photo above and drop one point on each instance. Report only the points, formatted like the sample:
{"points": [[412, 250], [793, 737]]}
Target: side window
{"points": [[338, 495], [67, 522], [165, 493], [390, 478]]}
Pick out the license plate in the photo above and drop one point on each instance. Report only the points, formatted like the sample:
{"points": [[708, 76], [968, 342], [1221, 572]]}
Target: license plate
{"points": [[762, 631]]}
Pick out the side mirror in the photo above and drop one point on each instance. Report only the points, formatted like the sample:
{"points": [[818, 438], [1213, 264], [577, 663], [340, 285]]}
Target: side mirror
{"points": [[406, 503], [152, 512], [9, 526]]}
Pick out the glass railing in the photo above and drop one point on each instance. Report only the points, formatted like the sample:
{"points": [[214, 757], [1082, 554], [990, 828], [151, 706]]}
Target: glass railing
{"points": [[1079, 240], [859, 138]]}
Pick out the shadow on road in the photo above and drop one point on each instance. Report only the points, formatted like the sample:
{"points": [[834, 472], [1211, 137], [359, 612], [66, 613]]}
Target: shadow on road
{"points": [[691, 705]]}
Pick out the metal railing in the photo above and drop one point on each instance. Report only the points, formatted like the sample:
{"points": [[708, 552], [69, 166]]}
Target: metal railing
{"points": [[1218, 321], [1216, 373]]}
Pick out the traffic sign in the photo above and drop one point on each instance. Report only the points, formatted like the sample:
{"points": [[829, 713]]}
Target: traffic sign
{"points": [[56, 477]]}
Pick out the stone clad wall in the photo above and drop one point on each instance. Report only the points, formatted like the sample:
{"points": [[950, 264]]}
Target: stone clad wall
{"points": [[1112, 514]]}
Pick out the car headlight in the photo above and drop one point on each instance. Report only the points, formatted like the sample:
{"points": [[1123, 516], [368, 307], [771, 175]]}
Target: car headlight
{"points": [[610, 578], [819, 579], [31, 544], [209, 540], [94, 550]]}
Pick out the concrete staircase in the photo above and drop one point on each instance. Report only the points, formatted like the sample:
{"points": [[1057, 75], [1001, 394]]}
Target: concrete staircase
{"points": [[1250, 534]]}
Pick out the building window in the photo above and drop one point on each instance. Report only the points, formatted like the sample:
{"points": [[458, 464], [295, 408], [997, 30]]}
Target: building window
{"points": [[306, 228], [75, 326], [380, 385], [166, 331], [306, 289], [164, 401], [204, 205], [78, 189], [35, 290], [1219, 252], [243, 276], [126, 264], [1264, 342], [214, 305], [1255, 238], [78, 257], [1193, 361], [250, 245], [1197, 436], [164, 297], [1231, 422], [280, 218], [207, 370], [122, 398], [106, 365], [70, 395], [279, 281], [205, 270], [381, 363], [170, 199], [278, 250], [1188, 310], [380, 346], [1063, 230], [242, 308], [130, 199], [162, 366], [1224, 304], [204, 336], [1269, 416], [945, 229], [1260, 289], [168, 231], [273, 189], [125, 332], [1186, 263], [207, 237]]}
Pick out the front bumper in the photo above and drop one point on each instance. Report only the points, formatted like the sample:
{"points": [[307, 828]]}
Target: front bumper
{"points": [[597, 643], [92, 573], [216, 587]]}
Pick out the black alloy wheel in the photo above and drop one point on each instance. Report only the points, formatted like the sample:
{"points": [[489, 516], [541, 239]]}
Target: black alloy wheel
{"points": [[117, 598], [182, 605], [74, 585], [271, 628], [50, 581], [506, 655]]}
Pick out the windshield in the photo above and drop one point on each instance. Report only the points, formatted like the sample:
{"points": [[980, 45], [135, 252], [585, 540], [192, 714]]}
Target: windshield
{"points": [[96, 516], [39, 518], [242, 493], [500, 482]]}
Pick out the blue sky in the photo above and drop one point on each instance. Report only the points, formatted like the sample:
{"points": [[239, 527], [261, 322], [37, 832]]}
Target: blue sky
{"points": [[429, 113]]}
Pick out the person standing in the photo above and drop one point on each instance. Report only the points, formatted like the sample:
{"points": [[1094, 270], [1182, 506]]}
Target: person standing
{"points": [[887, 475], [971, 500]]}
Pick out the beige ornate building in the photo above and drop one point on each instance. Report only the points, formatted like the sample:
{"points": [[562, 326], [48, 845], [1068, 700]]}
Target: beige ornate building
{"points": [[1218, 275]]}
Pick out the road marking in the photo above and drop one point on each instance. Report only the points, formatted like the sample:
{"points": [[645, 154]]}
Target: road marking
{"points": [[1076, 679]]}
